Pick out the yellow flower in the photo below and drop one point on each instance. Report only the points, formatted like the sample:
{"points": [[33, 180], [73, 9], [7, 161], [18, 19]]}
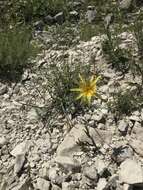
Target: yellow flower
{"points": [[87, 88]]}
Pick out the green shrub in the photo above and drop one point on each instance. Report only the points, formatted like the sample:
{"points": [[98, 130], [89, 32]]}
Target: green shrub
{"points": [[15, 53], [125, 102], [119, 58], [27, 11], [61, 77]]}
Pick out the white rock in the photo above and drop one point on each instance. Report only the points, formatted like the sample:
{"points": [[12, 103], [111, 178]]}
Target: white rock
{"points": [[20, 149], [101, 184], [91, 172], [43, 184], [3, 141], [68, 162], [131, 172], [52, 173], [19, 161], [69, 145], [137, 145], [100, 166]]}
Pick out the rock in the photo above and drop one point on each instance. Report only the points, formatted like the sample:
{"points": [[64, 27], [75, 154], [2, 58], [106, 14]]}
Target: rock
{"points": [[131, 172], [3, 90], [125, 4], [121, 153], [68, 163], [137, 146], [3, 141], [32, 115], [134, 118], [70, 145], [39, 25], [91, 173], [101, 184], [123, 127], [49, 20], [43, 184], [91, 14], [55, 187], [127, 187], [59, 18], [97, 117], [138, 132], [19, 162], [23, 185], [100, 166], [20, 149], [112, 182], [73, 16], [53, 173], [66, 186], [108, 20]]}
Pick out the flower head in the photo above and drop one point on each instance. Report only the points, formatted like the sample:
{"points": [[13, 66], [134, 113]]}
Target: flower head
{"points": [[87, 88]]}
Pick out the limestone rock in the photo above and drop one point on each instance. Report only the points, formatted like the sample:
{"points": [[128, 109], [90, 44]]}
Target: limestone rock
{"points": [[91, 172], [101, 184], [43, 184], [3, 141], [69, 145], [20, 149], [19, 161], [131, 172], [91, 14], [68, 163]]}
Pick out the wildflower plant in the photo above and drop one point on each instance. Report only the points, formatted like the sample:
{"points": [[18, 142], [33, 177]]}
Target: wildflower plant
{"points": [[87, 88]]}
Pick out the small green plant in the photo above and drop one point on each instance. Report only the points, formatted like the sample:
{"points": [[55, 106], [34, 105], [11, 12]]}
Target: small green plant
{"points": [[16, 50], [87, 30], [119, 58], [61, 78], [125, 102], [137, 68]]}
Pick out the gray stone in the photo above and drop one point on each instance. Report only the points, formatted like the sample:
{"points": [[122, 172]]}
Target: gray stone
{"points": [[123, 127], [53, 174], [3, 141], [125, 4], [127, 187], [91, 14], [137, 146], [108, 20], [100, 166], [68, 163], [20, 149], [91, 172], [101, 184], [69, 146], [55, 187], [49, 20], [3, 90], [43, 184], [113, 182], [59, 18], [19, 162], [73, 15], [23, 185], [131, 172], [39, 25]]}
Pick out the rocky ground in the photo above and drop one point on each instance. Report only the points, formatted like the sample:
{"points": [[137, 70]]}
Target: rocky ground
{"points": [[34, 156]]}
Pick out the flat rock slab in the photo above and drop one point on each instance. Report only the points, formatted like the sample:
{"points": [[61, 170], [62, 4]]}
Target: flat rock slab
{"points": [[131, 172], [69, 146]]}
